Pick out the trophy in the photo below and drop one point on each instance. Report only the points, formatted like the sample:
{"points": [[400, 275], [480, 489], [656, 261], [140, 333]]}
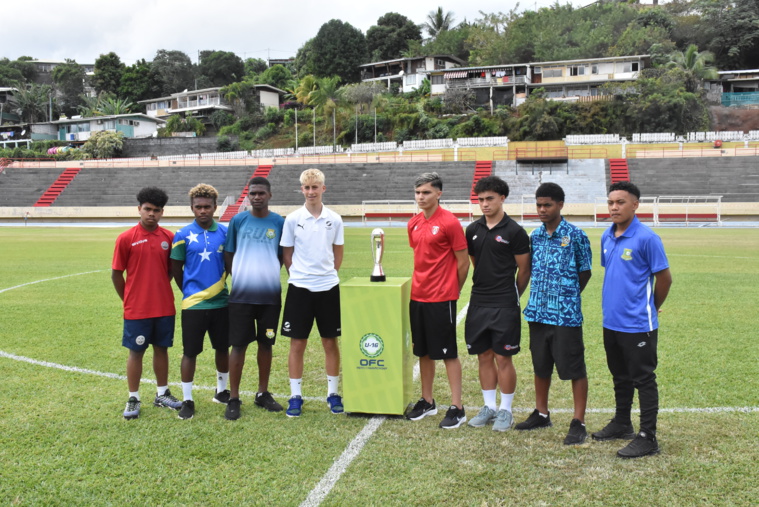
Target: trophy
{"points": [[378, 245]]}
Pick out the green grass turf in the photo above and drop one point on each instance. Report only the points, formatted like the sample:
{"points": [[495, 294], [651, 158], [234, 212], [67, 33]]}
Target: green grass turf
{"points": [[63, 440]]}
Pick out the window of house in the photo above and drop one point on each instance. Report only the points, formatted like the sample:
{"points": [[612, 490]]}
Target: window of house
{"points": [[553, 72], [577, 70], [437, 79], [630, 67], [109, 125], [594, 69], [537, 70], [411, 79]]}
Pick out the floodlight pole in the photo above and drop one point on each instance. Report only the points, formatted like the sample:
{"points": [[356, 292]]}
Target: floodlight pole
{"points": [[356, 124], [375, 125], [314, 110], [296, 129], [334, 131]]}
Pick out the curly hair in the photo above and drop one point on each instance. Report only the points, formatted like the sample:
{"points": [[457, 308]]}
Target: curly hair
{"points": [[551, 190], [152, 195], [492, 184], [203, 190]]}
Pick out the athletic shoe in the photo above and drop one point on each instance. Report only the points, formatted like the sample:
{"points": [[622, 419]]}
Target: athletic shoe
{"points": [[644, 444], [613, 431], [486, 416], [534, 422], [132, 409], [422, 409], [454, 418], [335, 403], [221, 397], [232, 413], [295, 406], [167, 400], [577, 433], [187, 410], [266, 400], [504, 421]]}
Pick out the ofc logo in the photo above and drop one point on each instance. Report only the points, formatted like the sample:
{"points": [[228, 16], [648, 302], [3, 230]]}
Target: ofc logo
{"points": [[371, 346]]}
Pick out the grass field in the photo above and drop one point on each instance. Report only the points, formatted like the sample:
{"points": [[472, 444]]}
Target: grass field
{"points": [[63, 440]]}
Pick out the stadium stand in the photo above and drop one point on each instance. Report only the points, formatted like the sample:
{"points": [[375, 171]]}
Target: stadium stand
{"points": [[618, 170], [23, 186], [482, 169], [262, 171]]}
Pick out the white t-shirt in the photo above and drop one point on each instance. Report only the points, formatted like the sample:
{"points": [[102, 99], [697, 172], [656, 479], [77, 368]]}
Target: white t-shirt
{"points": [[313, 265]]}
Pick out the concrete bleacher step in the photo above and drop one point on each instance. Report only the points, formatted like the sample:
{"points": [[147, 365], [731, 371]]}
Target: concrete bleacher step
{"points": [[57, 187], [263, 171]]}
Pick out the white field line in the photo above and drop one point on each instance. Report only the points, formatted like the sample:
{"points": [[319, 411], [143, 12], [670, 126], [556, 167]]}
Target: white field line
{"points": [[51, 279]]}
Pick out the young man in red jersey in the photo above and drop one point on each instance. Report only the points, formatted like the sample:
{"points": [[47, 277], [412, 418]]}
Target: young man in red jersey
{"points": [[441, 266], [143, 252]]}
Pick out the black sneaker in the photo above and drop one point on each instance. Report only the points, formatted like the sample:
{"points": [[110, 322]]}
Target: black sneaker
{"points": [[187, 410], [644, 444], [233, 409], [221, 397], [613, 431], [132, 409], [422, 409], [167, 400], [577, 433], [266, 400], [454, 418], [535, 421]]}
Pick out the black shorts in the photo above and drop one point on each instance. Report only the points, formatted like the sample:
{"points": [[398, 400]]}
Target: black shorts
{"points": [[433, 329], [195, 324], [302, 307], [249, 323], [499, 329], [558, 345]]}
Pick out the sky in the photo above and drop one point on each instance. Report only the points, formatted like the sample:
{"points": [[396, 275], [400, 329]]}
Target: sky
{"points": [[134, 29]]}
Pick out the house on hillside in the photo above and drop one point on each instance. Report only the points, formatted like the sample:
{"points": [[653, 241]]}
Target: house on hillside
{"points": [[407, 73], [45, 74], [133, 125], [203, 103], [511, 84], [739, 87], [7, 107]]}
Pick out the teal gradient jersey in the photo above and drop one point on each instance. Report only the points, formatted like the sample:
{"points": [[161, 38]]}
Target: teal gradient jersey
{"points": [[256, 265], [204, 281]]}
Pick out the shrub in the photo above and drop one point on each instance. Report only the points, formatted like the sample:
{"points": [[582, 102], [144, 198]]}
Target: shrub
{"points": [[226, 143]]}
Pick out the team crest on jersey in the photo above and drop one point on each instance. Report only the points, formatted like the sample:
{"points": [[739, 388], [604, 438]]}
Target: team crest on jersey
{"points": [[500, 239], [565, 241], [627, 254], [165, 245], [270, 233], [435, 229], [220, 249], [270, 333]]}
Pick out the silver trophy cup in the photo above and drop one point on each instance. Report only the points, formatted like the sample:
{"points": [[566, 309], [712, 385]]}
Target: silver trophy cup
{"points": [[378, 246]]}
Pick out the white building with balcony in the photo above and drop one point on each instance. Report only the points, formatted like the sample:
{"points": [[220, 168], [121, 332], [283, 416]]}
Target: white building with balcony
{"points": [[407, 73], [75, 129]]}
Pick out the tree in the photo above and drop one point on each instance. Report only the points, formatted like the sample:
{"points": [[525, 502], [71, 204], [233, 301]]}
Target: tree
{"points": [[104, 144], [438, 21], [449, 42], [303, 91], [302, 63], [362, 94], [104, 104], [390, 37], [9, 75], [326, 96], [174, 71], [276, 75], [68, 79], [732, 31], [337, 50], [108, 72], [254, 66], [32, 102], [695, 64], [220, 67], [176, 123], [139, 82]]}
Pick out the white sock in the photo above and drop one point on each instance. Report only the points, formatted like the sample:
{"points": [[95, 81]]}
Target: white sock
{"points": [[187, 391], [506, 400], [332, 383], [295, 387], [221, 381], [162, 390], [136, 394], [489, 397]]}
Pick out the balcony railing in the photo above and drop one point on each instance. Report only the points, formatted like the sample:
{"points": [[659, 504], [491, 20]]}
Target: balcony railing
{"points": [[213, 101], [740, 99], [487, 82]]}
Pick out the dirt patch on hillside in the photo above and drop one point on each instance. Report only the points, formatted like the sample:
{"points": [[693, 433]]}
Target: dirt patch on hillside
{"points": [[731, 118]]}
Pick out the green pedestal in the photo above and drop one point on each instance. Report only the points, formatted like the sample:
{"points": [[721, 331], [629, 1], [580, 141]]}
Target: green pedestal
{"points": [[376, 354]]}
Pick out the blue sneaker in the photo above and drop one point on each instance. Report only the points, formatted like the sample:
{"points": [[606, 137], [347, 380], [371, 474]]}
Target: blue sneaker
{"points": [[335, 403], [167, 400], [294, 408], [132, 409]]}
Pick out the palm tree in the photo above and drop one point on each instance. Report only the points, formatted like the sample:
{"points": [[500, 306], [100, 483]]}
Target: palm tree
{"points": [[306, 85], [438, 21], [326, 96], [695, 62], [31, 103]]}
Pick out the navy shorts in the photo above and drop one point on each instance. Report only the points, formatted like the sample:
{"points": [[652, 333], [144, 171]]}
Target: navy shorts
{"points": [[140, 333]]}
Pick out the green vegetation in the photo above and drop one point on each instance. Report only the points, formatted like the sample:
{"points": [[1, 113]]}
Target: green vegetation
{"points": [[71, 446]]}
